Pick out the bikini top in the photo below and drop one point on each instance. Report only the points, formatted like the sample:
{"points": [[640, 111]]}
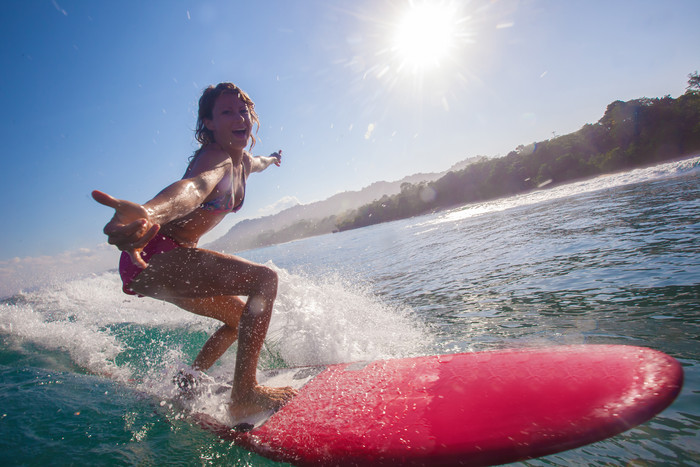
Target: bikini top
{"points": [[224, 203]]}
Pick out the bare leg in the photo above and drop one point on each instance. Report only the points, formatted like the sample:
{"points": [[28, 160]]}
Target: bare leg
{"points": [[191, 273], [214, 348], [247, 397], [227, 309]]}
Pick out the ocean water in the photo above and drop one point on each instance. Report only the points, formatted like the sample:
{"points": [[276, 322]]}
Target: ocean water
{"points": [[85, 371]]}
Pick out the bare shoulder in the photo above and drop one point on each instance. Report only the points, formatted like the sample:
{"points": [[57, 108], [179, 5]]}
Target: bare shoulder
{"points": [[211, 157]]}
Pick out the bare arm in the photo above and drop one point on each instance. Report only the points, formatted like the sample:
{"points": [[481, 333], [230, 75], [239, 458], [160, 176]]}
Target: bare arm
{"points": [[183, 196], [260, 163], [134, 225]]}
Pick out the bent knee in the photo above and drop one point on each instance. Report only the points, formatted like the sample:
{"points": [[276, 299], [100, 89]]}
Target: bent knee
{"points": [[268, 282]]}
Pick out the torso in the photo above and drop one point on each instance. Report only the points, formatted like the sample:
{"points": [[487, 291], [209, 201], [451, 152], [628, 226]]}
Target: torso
{"points": [[226, 201], [227, 196]]}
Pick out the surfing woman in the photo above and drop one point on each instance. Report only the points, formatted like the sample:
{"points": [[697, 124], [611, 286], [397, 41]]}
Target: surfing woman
{"points": [[160, 258]]}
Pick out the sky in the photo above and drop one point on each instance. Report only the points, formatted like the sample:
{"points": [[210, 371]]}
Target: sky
{"points": [[103, 95]]}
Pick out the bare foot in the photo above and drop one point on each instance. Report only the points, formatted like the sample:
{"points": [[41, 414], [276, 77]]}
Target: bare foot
{"points": [[259, 399]]}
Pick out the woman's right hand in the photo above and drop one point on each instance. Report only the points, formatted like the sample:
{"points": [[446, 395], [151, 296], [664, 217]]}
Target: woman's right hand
{"points": [[131, 227]]}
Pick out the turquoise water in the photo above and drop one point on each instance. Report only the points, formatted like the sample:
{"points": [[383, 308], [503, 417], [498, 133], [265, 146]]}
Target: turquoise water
{"points": [[85, 370]]}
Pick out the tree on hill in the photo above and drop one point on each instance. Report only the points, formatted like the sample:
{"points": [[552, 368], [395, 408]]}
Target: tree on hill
{"points": [[693, 82]]}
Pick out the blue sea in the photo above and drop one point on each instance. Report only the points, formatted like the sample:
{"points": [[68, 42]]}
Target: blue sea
{"points": [[85, 370]]}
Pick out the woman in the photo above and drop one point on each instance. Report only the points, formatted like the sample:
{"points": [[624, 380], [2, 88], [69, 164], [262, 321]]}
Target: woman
{"points": [[160, 258]]}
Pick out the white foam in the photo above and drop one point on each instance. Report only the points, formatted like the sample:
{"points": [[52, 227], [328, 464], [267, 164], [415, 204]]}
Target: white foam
{"points": [[75, 317], [315, 321], [331, 319]]}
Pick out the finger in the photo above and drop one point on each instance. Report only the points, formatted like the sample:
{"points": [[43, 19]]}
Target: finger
{"points": [[147, 237], [135, 240], [135, 252], [137, 259], [115, 229], [105, 199]]}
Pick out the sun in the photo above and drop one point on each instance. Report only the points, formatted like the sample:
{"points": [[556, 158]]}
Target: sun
{"points": [[415, 50], [426, 35]]}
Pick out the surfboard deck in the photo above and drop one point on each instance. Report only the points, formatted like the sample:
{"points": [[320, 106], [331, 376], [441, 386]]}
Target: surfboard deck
{"points": [[480, 408]]}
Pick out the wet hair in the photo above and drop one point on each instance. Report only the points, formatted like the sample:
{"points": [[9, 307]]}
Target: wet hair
{"points": [[206, 111]]}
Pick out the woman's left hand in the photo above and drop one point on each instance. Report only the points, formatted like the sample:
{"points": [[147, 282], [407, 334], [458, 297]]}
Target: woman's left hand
{"points": [[277, 155]]}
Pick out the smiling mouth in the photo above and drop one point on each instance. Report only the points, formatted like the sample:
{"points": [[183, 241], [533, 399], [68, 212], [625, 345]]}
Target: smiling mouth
{"points": [[240, 133]]}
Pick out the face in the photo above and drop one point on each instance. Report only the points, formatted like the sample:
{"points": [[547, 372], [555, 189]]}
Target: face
{"points": [[231, 122]]}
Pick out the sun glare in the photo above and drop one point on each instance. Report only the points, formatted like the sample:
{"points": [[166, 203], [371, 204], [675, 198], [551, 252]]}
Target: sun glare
{"points": [[417, 50], [425, 36]]}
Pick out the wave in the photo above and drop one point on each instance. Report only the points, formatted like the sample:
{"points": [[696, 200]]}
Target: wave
{"points": [[142, 342]]}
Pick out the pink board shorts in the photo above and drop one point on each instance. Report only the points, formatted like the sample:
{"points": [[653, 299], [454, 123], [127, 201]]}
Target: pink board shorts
{"points": [[128, 270]]}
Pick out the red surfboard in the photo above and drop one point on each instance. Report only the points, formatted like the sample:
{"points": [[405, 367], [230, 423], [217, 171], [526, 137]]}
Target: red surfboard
{"points": [[479, 408]]}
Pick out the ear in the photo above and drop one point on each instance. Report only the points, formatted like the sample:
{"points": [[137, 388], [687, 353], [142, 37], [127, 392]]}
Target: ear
{"points": [[209, 124]]}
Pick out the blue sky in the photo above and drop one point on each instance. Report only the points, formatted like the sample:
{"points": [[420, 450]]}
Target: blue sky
{"points": [[103, 94]]}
